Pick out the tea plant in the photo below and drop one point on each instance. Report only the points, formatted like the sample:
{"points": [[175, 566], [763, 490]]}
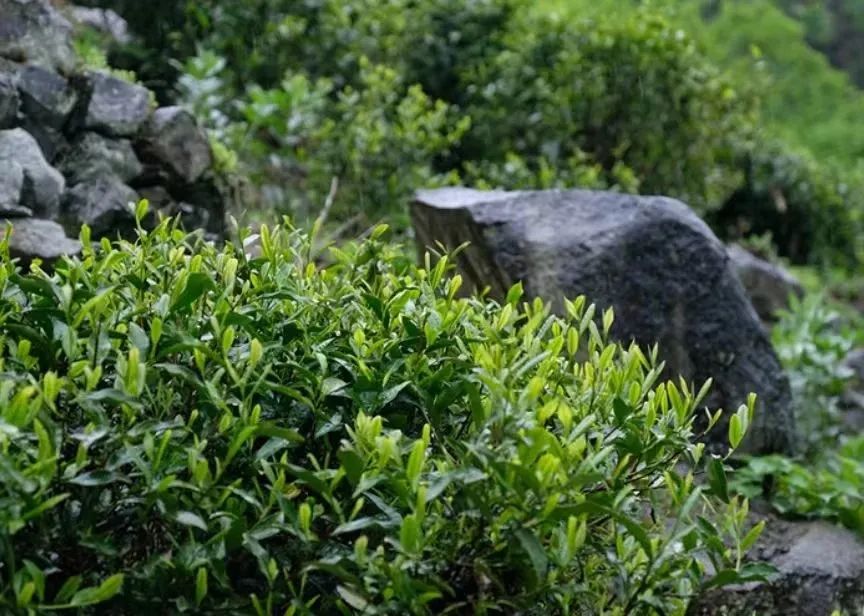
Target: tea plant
{"points": [[188, 429]]}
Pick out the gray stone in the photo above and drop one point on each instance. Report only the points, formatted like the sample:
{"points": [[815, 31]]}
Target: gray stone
{"points": [[43, 184], [105, 21], [46, 97], [112, 106], [768, 285], [160, 199], [34, 238], [103, 204], [203, 205], [175, 142], [34, 31], [15, 211], [852, 399], [667, 276], [51, 141], [91, 155], [854, 364], [11, 184], [820, 568], [10, 101]]}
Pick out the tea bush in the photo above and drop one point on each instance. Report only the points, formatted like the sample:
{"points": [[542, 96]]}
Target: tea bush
{"points": [[186, 428]]}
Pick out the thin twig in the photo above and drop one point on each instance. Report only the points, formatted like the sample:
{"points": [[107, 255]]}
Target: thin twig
{"points": [[328, 202]]}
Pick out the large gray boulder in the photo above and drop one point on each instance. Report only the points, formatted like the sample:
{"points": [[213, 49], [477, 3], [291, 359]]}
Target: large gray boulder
{"points": [[33, 31], [175, 142], [667, 276], [111, 106], [43, 184], [33, 238], [768, 284], [104, 204], [91, 155]]}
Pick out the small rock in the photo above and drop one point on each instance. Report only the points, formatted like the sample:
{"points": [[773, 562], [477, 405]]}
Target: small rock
{"points": [[854, 363], [11, 184], [175, 142], [112, 106], [51, 140], [103, 204], [105, 21], [10, 101], [92, 155], [768, 285], [852, 399], [820, 567], [46, 97], [43, 184], [204, 206], [34, 238], [34, 31], [652, 259]]}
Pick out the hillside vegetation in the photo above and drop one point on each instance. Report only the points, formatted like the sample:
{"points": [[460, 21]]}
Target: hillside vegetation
{"points": [[722, 104], [302, 420]]}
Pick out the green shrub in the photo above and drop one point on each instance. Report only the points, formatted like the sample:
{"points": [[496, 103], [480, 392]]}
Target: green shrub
{"points": [[185, 428], [812, 211], [506, 98], [812, 346], [632, 95]]}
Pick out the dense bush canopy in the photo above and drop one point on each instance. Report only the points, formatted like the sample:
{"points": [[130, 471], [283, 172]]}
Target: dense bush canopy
{"points": [[186, 428]]}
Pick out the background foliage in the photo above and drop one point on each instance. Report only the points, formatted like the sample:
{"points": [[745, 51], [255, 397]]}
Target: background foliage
{"points": [[721, 103]]}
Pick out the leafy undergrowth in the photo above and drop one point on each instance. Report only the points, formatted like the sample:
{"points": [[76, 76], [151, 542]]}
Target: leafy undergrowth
{"points": [[826, 480], [184, 428]]}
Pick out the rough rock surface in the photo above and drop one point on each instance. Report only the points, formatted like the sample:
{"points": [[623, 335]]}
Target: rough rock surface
{"points": [[11, 185], [175, 143], [820, 568], [768, 284], [70, 140], [105, 204], [34, 238], [92, 155], [10, 101], [46, 97], [667, 276], [105, 21], [112, 106], [34, 31], [43, 184], [852, 400]]}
